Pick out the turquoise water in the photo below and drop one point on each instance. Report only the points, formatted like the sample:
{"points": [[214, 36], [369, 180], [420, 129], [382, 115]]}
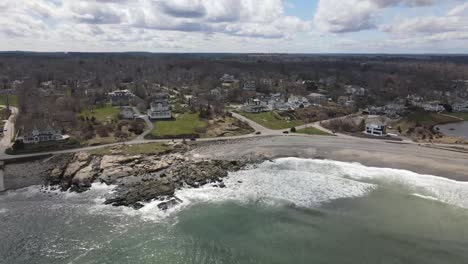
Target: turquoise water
{"points": [[289, 211]]}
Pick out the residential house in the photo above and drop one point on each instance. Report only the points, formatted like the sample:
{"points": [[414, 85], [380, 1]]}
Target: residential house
{"points": [[44, 134], [255, 106], [346, 101], [433, 106], [355, 90], [121, 97], [249, 86], [127, 113], [298, 102], [160, 109], [317, 98], [228, 80], [376, 129], [460, 107]]}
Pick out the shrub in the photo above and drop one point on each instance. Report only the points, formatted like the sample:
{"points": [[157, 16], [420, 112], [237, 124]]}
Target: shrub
{"points": [[136, 127], [293, 130], [102, 131]]}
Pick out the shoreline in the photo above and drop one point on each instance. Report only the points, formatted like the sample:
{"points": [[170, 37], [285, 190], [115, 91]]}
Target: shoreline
{"points": [[141, 178]]}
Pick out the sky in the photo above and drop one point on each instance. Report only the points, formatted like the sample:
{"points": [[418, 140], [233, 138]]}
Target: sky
{"points": [[245, 26]]}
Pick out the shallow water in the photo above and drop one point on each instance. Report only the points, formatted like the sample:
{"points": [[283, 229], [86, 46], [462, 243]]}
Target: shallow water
{"points": [[459, 129], [287, 211]]}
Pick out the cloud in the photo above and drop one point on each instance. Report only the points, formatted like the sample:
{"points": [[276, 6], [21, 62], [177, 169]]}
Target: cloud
{"points": [[338, 16], [255, 18]]}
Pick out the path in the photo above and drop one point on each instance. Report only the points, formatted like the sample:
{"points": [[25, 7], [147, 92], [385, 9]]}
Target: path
{"points": [[149, 124], [456, 117], [337, 142]]}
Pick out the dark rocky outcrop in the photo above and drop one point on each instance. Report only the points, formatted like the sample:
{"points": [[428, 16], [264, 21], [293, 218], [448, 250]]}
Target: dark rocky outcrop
{"points": [[139, 178]]}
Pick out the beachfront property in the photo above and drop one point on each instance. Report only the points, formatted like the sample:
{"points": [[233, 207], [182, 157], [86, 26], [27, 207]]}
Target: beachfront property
{"points": [[376, 129], [159, 109], [460, 107], [433, 107], [38, 135], [121, 97]]}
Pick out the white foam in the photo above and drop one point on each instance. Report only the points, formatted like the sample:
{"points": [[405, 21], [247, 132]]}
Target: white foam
{"points": [[310, 183], [443, 189], [3, 210]]}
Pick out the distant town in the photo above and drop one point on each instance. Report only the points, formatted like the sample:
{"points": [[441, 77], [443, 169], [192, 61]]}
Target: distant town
{"points": [[61, 101]]}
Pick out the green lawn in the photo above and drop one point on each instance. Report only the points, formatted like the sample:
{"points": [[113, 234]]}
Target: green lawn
{"points": [[149, 148], [430, 119], [313, 131], [102, 114], [461, 115], [13, 100], [182, 125], [271, 121]]}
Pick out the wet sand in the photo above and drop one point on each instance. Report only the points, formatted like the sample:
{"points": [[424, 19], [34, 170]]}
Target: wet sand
{"points": [[373, 153]]}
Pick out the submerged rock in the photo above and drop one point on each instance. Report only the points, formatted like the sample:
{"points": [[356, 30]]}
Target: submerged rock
{"points": [[164, 206]]}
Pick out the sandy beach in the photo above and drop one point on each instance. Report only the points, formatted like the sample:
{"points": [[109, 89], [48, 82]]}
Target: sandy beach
{"points": [[373, 153]]}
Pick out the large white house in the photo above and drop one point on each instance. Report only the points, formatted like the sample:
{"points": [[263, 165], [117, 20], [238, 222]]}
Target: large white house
{"points": [[160, 109], [42, 135], [460, 107]]}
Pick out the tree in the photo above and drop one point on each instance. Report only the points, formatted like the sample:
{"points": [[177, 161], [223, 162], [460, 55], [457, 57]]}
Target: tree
{"points": [[362, 125]]}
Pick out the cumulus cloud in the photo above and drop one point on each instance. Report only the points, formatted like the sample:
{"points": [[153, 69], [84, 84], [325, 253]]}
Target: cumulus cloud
{"points": [[255, 18], [338, 16]]}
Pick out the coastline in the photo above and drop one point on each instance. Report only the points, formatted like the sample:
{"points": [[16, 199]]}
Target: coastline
{"points": [[142, 178]]}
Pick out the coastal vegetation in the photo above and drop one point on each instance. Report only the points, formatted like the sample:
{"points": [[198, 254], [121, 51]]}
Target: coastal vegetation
{"points": [[106, 113], [273, 120], [137, 149], [313, 131], [12, 100], [184, 124]]}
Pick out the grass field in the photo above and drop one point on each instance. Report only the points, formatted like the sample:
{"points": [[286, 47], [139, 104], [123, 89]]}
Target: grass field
{"points": [[271, 121], [102, 114], [182, 125], [313, 131], [13, 100], [429, 119], [460, 115], [140, 149]]}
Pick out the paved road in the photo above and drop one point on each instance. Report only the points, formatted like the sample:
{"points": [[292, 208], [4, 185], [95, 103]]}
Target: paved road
{"points": [[339, 142]]}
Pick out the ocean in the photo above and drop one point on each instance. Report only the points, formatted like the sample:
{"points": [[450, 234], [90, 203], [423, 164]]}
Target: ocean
{"points": [[284, 211]]}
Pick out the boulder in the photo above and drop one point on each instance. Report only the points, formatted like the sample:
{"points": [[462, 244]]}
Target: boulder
{"points": [[83, 179], [169, 204]]}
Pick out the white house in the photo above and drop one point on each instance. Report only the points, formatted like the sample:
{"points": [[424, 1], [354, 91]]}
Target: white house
{"points": [[298, 102], [159, 109], [460, 107], [42, 135], [433, 107], [376, 129]]}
